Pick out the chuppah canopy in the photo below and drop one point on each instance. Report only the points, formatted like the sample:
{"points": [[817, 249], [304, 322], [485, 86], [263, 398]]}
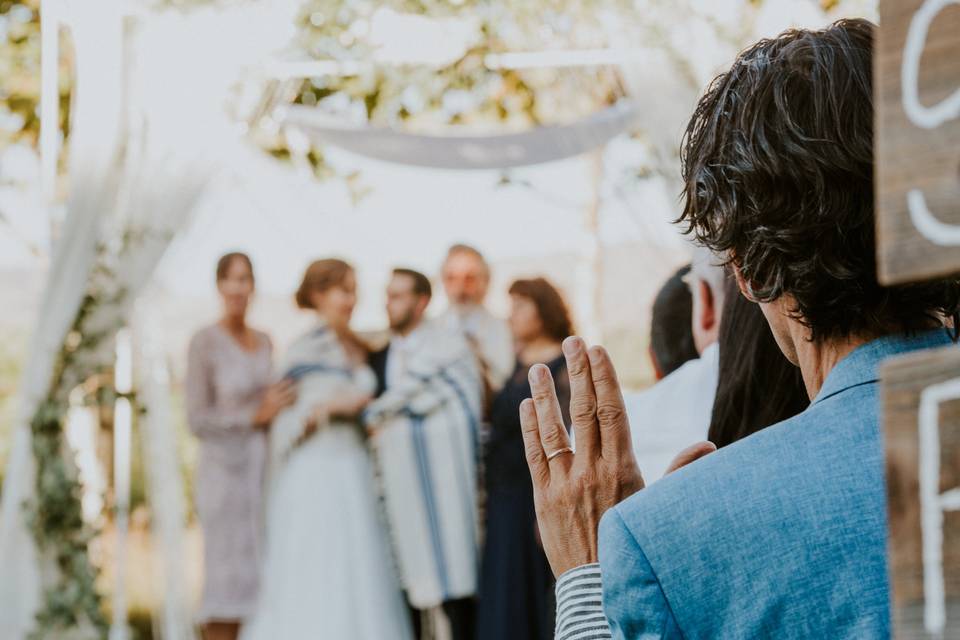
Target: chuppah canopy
{"points": [[465, 151]]}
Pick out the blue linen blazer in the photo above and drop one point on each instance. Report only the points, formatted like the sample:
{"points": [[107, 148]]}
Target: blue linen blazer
{"points": [[780, 535]]}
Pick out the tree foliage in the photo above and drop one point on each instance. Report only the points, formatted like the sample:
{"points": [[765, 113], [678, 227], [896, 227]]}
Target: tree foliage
{"points": [[20, 73]]}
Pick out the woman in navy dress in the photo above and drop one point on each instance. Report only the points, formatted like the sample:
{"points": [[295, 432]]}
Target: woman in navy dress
{"points": [[516, 584]]}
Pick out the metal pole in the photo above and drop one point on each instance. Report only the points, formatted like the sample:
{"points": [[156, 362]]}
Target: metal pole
{"points": [[122, 431], [49, 105]]}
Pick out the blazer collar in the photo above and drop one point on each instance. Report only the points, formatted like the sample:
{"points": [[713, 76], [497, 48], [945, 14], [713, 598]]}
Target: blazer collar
{"points": [[862, 365]]}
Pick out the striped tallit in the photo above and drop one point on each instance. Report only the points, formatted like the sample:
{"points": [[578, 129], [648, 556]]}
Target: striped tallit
{"points": [[425, 444]]}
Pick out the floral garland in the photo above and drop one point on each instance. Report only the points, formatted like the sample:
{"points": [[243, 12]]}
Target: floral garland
{"points": [[463, 91], [55, 518], [71, 606]]}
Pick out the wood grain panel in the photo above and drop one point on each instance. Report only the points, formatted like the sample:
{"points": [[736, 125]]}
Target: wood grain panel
{"points": [[911, 157]]}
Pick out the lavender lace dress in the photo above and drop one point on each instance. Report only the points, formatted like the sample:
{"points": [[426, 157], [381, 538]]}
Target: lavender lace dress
{"points": [[224, 387]]}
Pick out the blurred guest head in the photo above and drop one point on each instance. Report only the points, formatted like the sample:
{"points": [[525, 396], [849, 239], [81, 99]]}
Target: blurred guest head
{"points": [[466, 276], [329, 287], [778, 171], [757, 386], [408, 295], [671, 328], [707, 286], [235, 282], [537, 311]]}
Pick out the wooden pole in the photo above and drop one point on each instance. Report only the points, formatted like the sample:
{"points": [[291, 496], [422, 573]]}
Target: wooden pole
{"points": [[49, 105]]}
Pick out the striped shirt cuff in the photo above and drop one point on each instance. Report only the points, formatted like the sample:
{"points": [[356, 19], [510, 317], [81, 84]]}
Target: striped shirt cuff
{"points": [[580, 605]]}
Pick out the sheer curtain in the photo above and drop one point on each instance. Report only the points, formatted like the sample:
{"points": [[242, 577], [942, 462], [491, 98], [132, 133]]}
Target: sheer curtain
{"points": [[94, 159], [137, 169]]}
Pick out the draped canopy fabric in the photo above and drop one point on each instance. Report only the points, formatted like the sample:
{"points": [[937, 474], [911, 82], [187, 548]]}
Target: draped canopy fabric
{"points": [[93, 153], [137, 171], [460, 151]]}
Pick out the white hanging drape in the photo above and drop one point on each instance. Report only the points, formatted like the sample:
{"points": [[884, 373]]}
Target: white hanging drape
{"points": [[137, 170], [164, 483], [163, 187], [502, 151], [93, 159]]}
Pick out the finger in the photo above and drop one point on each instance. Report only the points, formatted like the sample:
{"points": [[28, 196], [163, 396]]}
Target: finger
{"points": [[532, 447], [583, 399], [691, 454], [553, 433], [614, 429]]}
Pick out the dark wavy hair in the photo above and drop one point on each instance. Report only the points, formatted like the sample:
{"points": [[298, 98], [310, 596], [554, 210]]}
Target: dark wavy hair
{"points": [[778, 171], [757, 386], [553, 311], [671, 327]]}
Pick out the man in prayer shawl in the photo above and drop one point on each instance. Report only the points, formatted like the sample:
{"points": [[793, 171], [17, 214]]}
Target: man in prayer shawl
{"points": [[466, 278], [424, 428]]}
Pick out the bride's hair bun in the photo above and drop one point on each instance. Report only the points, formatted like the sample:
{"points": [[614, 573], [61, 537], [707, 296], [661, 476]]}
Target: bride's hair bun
{"points": [[320, 276]]}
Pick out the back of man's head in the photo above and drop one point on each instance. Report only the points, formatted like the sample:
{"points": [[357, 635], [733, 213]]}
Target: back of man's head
{"points": [[671, 335], [778, 170]]}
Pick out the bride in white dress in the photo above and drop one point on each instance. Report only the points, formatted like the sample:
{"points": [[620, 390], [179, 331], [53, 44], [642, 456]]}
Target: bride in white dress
{"points": [[328, 571]]}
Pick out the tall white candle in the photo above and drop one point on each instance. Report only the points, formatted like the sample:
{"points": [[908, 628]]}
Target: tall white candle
{"points": [[122, 428]]}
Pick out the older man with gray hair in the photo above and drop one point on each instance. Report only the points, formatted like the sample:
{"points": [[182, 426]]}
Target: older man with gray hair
{"points": [[466, 278]]}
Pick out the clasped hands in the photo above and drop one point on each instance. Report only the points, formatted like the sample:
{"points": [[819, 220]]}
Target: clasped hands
{"points": [[346, 406], [572, 490]]}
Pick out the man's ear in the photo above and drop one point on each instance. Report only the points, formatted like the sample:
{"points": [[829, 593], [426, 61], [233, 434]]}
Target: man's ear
{"points": [[742, 283], [422, 303], [708, 307]]}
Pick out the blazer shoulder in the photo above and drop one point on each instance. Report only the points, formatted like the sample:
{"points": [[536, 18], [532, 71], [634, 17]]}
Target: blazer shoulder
{"points": [[826, 450], [717, 531], [748, 465]]}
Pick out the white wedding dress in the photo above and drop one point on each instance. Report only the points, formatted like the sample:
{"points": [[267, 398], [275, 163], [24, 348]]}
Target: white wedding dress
{"points": [[328, 571]]}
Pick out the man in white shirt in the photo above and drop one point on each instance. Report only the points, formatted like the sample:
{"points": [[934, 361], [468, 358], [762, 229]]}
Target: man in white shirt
{"points": [[466, 278], [675, 412]]}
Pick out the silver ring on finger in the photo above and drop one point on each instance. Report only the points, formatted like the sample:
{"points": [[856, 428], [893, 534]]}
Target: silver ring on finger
{"points": [[559, 452]]}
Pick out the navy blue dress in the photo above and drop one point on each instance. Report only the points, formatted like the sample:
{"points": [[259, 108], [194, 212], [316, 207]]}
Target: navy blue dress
{"points": [[516, 585]]}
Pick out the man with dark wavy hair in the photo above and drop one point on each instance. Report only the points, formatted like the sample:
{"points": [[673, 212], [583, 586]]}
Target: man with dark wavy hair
{"points": [[782, 534]]}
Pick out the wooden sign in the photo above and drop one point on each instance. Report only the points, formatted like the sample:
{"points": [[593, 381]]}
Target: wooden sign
{"points": [[921, 409], [917, 100]]}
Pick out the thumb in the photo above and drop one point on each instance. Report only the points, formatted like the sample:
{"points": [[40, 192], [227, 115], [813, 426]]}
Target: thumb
{"points": [[690, 454]]}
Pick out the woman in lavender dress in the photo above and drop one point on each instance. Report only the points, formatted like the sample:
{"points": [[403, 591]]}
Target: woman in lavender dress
{"points": [[230, 405]]}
